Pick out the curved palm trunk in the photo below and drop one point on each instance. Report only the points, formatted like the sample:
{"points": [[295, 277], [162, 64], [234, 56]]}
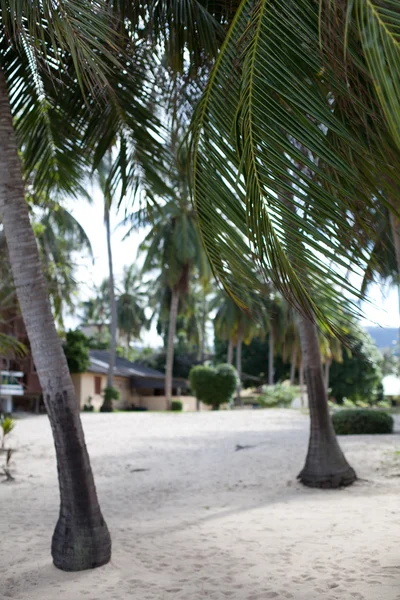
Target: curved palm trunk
{"points": [[271, 357], [107, 404], [81, 539], [326, 465], [170, 346], [229, 358], [239, 365], [293, 361]]}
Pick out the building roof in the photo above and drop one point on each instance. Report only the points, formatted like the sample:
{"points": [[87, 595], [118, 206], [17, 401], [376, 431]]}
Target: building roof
{"points": [[99, 361]]}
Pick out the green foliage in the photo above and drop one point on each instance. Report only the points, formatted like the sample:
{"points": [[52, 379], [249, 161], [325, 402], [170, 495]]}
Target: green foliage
{"points": [[359, 421], [7, 424], [359, 374], [278, 395], [254, 360], [310, 94], [213, 386], [76, 350], [176, 405], [109, 394]]}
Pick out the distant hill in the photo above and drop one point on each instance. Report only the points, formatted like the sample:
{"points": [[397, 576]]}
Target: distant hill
{"points": [[384, 337]]}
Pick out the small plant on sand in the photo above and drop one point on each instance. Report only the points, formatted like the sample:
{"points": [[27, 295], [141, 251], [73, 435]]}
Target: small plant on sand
{"points": [[7, 424], [88, 407]]}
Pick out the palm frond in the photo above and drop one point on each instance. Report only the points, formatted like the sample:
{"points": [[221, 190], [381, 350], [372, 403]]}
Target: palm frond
{"points": [[379, 26], [280, 172]]}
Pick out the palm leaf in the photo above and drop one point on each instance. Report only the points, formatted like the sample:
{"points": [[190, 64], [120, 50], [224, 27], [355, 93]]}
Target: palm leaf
{"points": [[280, 169], [379, 25]]}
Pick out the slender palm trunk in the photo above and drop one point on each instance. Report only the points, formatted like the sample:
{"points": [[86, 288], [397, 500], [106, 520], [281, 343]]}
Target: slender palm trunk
{"points": [[203, 329], [170, 346], [107, 404], [301, 382], [326, 465], [81, 539], [239, 364], [326, 375], [395, 226], [293, 365], [229, 358], [128, 343], [271, 357]]}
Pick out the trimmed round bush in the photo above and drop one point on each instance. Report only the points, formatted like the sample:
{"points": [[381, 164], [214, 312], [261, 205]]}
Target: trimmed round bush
{"points": [[176, 405], [353, 422], [213, 386]]}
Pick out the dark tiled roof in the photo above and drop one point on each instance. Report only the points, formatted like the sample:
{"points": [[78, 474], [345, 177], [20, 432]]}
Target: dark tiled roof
{"points": [[99, 360]]}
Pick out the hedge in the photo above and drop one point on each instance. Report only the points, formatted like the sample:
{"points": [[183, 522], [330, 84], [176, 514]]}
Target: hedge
{"points": [[352, 422]]}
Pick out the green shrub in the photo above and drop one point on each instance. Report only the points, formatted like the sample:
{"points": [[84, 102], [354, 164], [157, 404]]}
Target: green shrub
{"points": [[176, 405], [359, 421], [213, 386], [76, 350], [277, 395], [109, 394]]}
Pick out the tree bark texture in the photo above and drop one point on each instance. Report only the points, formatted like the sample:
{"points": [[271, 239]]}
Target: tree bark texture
{"points": [[81, 539], [107, 404], [326, 465], [170, 346], [271, 357], [229, 358], [301, 382], [293, 361]]}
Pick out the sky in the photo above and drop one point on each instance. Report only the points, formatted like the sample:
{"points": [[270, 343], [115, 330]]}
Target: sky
{"points": [[381, 310]]}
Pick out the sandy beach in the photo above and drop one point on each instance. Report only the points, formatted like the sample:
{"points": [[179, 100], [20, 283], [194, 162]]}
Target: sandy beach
{"points": [[192, 518]]}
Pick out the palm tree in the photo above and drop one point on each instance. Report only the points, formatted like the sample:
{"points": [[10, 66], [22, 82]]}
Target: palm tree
{"points": [[293, 162], [238, 327], [60, 237], [131, 306], [174, 246], [96, 311], [73, 43], [104, 170], [60, 66]]}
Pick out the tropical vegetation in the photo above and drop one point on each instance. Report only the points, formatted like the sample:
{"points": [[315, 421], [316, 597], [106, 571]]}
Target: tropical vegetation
{"points": [[258, 218]]}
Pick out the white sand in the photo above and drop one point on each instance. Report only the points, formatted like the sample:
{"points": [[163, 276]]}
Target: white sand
{"points": [[206, 522]]}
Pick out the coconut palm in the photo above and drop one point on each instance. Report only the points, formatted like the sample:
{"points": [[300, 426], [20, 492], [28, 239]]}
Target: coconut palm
{"points": [[236, 326], [174, 246], [302, 151], [60, 238], [59, 65], [131, 303]]}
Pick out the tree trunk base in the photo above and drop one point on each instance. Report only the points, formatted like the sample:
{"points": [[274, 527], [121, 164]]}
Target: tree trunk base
{"points": [[327, 480], [80, 547], [106, 407]]}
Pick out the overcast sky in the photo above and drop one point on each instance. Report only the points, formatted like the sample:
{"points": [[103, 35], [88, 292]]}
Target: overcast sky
{"points": [[383, 309]]}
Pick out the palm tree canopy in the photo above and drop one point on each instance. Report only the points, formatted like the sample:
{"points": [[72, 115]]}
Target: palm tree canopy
{"points": [[303, 149]]}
